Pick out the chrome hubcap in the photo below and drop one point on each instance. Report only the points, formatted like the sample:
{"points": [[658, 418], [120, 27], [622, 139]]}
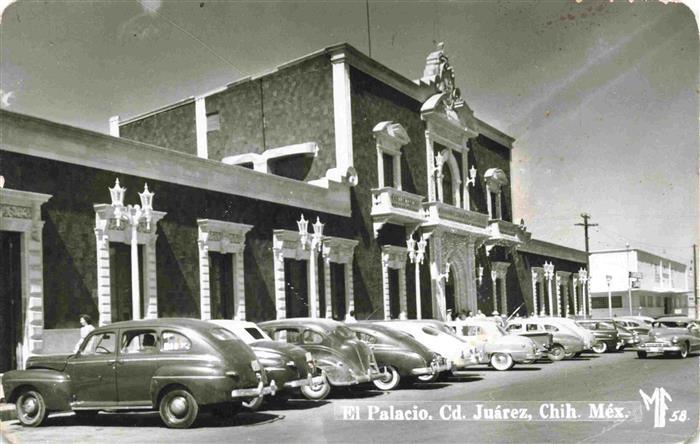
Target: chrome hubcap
{"points": [[178, 406], [30, 406]]}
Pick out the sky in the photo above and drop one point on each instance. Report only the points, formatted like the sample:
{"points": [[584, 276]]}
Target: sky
{"points": [[601, 97]]}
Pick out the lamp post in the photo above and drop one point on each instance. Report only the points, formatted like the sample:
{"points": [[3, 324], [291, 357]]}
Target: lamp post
{"points": [[133, 215], [549, 274], [314, 243], [416, 256], [608, 278], [583, 278]]}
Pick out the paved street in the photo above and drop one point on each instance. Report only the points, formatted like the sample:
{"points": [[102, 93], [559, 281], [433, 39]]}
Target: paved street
{"points": [[610, 377]]}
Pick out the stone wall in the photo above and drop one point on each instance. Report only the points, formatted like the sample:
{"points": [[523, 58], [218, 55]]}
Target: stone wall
{"points": [[173, 128], [69, 240]]}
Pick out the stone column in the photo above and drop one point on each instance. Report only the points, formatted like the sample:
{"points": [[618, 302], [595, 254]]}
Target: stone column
{"points": [[312, 278], [151, 278], [349, 295], [504, 297], [573, 289], [430, 162], [534, 292], [327, 287], [402, 291], [280, 293], [494, 292], [471, 277], [385, 287], [557, 281], [33, 268], [104, 301], [239, 286]]}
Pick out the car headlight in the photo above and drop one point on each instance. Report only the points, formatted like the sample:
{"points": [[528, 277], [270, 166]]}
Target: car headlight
{"points": [[674, 339]]}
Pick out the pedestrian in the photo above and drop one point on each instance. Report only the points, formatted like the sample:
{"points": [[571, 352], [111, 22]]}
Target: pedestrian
{"points": [[85, 328], [350, 317]]}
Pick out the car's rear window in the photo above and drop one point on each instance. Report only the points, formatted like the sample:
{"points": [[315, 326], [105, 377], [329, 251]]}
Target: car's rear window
{"points": [[670, 324], [255, 333], [431, 331]]}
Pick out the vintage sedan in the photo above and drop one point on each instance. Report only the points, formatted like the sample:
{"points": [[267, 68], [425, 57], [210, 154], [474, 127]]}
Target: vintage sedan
{"points": [[606, 335], [398, 354], [440, 339], [638, 326], [175, 366], [565, 343], [290, 366], [502, 349], [344, 359], [675, 335], [631, 339]]}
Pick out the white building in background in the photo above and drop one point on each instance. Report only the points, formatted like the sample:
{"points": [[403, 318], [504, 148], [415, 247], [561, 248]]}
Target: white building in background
{"points": [[656, 285]]}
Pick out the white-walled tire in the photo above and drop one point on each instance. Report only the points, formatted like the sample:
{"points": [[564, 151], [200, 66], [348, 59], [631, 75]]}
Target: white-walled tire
{"points": [[556, 353], [683, 353], [390, 381], [318, 391], [429, 378], [600, 347], [502, 361]]}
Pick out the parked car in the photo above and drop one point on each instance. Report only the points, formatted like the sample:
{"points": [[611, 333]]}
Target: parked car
{"points": [[565, 343], [290, 366], [631, 339], [587, 336], [440, 339], [344, 359], [606, 335], [541, 338], [676, 335], [398, 355], [175, 366], [502, 350], [636, 325]]}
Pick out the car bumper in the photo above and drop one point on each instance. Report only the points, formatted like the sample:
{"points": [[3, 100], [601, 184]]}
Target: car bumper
{"points": [[310, 380], [526, 356], [260, 390], [433, 369], [659, 348]]}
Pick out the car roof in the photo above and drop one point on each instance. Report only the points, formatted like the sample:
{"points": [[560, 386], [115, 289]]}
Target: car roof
{"points": [[159, 322], [233, 322], [675, 318], [328, 324]]}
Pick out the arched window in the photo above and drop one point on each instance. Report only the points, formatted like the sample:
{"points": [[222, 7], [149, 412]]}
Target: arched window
{"points": [[448, 178]]}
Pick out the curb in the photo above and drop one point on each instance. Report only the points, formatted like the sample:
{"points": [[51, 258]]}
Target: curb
{"points": [[7, 412]]}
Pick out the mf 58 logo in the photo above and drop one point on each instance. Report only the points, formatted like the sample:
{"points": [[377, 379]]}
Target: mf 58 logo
{"points": [[659, 401]]}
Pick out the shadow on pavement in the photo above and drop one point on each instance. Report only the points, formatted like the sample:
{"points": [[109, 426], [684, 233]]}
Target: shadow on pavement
{"points": [[427, 386], [517, 368], [293, 404], [152, 419]]}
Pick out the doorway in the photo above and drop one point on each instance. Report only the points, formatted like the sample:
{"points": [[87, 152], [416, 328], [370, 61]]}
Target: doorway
{"points": [[221, 285], [337, 298], [296, 288], [10, 299], [120, 268]]}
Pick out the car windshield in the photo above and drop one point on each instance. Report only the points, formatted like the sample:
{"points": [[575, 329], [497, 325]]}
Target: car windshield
{"points": [[588, 325], [669, 324], [344, 332], [606, 326]]}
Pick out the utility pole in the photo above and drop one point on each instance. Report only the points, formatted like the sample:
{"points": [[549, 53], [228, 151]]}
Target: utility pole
{"points": [[585, 226], [696, 281], [369, 34]]}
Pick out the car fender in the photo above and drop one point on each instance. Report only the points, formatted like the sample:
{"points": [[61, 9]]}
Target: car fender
{"points": [[53, 385], [401, 359], [207, 384]]}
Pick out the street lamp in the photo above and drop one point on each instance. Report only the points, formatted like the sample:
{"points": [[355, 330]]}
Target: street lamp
{"points": [[549, 274], [583, 277], [608, 278], [416, 253], [314, 243], [133, 215]]}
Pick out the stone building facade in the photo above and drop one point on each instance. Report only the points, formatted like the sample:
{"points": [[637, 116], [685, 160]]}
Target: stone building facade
{"points": [[243, 179]]}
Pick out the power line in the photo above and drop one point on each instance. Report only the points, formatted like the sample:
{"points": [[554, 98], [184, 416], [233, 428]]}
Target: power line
{"points": [[189, 34]]}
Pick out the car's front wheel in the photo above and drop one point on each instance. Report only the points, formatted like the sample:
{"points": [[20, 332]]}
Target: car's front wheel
{"points": [[316, 392], [502, 361], [31, 408], [178, 409], [683, 353], [556, 353], [600, 347], [391, 378]]}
